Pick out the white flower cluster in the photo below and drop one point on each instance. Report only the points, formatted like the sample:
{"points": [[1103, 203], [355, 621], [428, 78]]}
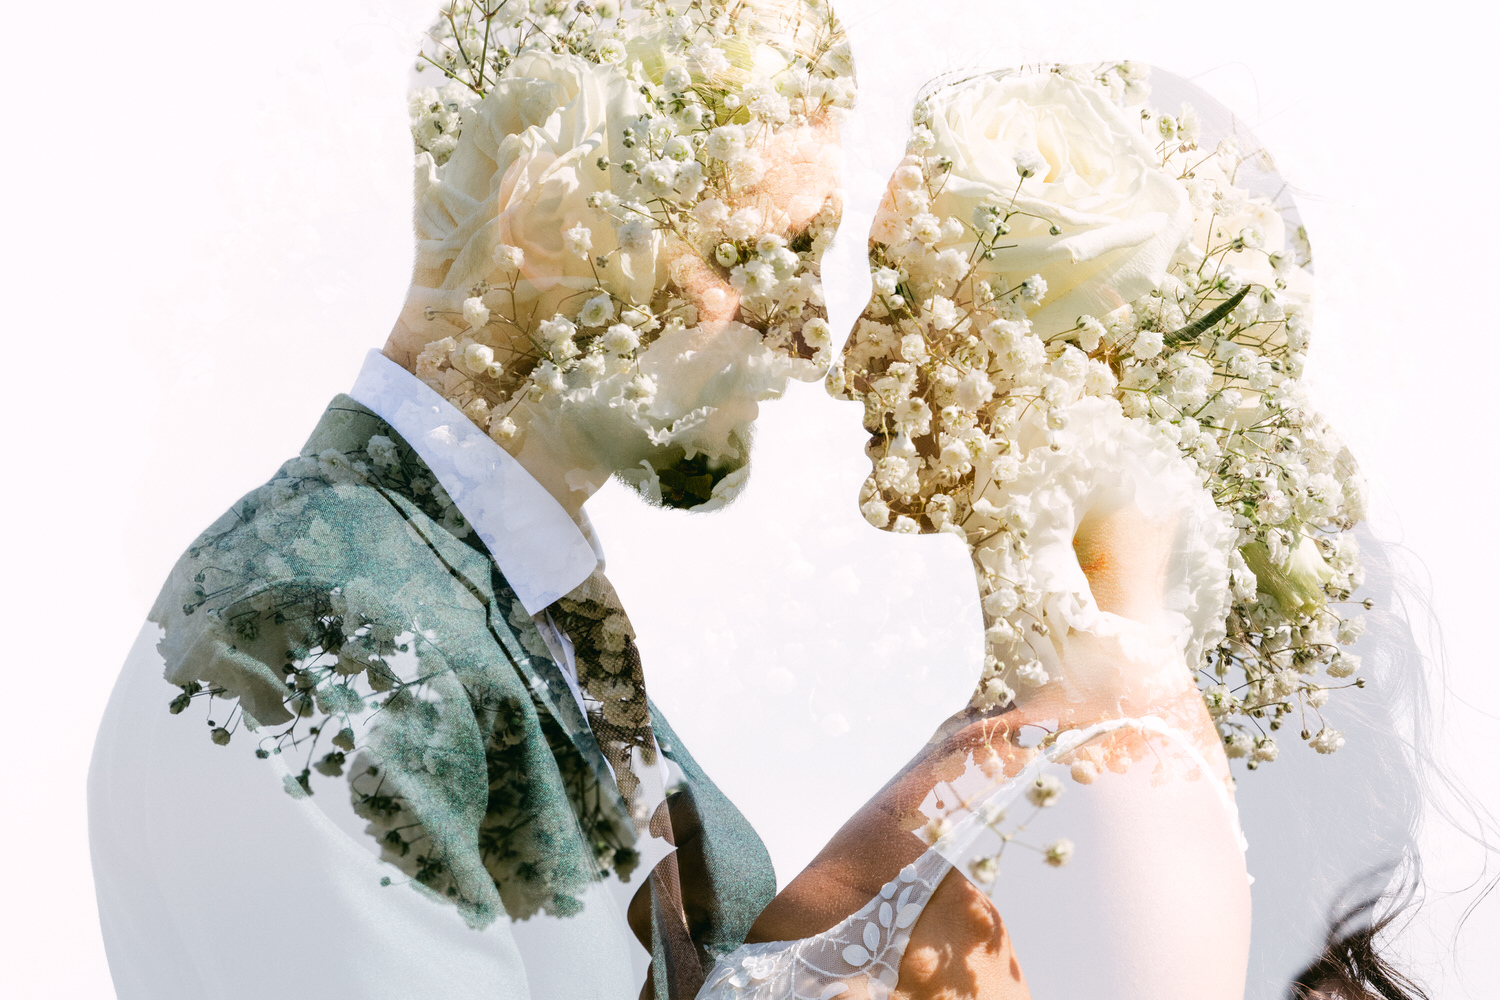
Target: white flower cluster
{"points": [[587, 183], [1038, 306], [474, 44], [437, 117]]}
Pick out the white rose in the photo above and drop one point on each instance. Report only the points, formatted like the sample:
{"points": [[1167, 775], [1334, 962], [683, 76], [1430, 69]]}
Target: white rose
{"points": [[1096, 178], [1107, 463], [526, 163]]}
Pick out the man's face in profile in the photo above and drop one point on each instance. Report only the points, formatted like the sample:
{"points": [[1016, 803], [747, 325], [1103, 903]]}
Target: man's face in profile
{"points": [[619, 252], [733, 358]]}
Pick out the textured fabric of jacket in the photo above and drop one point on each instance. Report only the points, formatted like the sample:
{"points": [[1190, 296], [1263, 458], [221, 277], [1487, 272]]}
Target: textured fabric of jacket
{"points": [[345, 615]]}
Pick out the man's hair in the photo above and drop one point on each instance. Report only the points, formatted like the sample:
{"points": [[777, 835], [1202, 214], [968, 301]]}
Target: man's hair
{"points": [[803, 31]]}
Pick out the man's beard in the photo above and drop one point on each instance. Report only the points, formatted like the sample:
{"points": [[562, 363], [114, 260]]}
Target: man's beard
{"points": [[687, 483]]}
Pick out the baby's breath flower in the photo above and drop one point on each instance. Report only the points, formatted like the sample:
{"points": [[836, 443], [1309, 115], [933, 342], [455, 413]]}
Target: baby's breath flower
{"points": [[914, 348], [1327, 740], [509, 258], [1237, 744], [725, 142], [1059, 852], [1343, 664], [477, 358], [1034, 289], [817, 334], [1029, 163], [476, 314], [635, 236], [556, 335], [876, 512], [1147, 344], [578, 241], [1044, 791], [926, 228], [1032, 674], [885, 280], [621, 339], [611, 50], [382, 451], [597, 311]]}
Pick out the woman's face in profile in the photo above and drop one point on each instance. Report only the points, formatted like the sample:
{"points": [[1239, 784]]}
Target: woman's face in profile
{"points": [[1083, 304], [1027, 203], [882, 368]]}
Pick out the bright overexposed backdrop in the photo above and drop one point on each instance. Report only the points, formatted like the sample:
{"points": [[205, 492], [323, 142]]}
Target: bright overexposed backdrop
{"points": [[206, 224]]}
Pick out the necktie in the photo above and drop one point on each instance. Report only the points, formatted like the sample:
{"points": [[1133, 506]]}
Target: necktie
{"points": [[609, 675], [614, 689]]}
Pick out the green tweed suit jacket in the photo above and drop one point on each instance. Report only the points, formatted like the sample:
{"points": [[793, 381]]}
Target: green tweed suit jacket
{"points": [[354, 623]]}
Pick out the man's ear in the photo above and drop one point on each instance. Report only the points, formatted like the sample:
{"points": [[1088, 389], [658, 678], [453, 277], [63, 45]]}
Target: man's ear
{"points": [[701, 283]]}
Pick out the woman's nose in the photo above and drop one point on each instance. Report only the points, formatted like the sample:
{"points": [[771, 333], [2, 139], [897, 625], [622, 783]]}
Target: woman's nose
{"points": [[835, 383]]}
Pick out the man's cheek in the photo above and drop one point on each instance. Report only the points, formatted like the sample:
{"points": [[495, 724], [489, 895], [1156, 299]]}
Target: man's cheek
{"points": [[804, 189]]}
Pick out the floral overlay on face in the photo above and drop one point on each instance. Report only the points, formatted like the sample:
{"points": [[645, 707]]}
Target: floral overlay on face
{"points": [[620, 215], [1087, 333]]}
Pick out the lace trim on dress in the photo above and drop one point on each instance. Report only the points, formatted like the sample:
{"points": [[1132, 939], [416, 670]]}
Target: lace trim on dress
{"points": [[865, 950], [861, 956]]}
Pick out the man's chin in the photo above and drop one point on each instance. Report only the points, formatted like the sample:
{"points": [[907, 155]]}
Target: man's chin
{"points": [[693, 485]]}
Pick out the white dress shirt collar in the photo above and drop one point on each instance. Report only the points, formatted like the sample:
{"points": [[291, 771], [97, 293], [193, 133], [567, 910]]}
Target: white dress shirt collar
{"points": [[541, 551]]}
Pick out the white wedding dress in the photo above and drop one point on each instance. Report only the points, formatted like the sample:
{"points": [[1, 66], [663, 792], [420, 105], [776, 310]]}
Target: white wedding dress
{"points": [[1146, 910]]}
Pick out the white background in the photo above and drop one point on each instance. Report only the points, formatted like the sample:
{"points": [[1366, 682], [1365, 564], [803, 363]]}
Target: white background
{"points": [[206, 225]]}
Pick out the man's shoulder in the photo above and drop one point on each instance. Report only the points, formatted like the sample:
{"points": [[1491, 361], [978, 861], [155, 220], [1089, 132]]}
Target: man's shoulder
{"points": [[357, 492], [356, 519]]}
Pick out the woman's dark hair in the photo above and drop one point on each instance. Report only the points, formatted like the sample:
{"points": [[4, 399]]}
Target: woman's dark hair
{"points": [[1352, 968], [1333, 839], [1390, 782]]}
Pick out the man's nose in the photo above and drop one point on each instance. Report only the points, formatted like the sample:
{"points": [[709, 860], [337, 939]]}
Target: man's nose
{"points": [[835, 382]]}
